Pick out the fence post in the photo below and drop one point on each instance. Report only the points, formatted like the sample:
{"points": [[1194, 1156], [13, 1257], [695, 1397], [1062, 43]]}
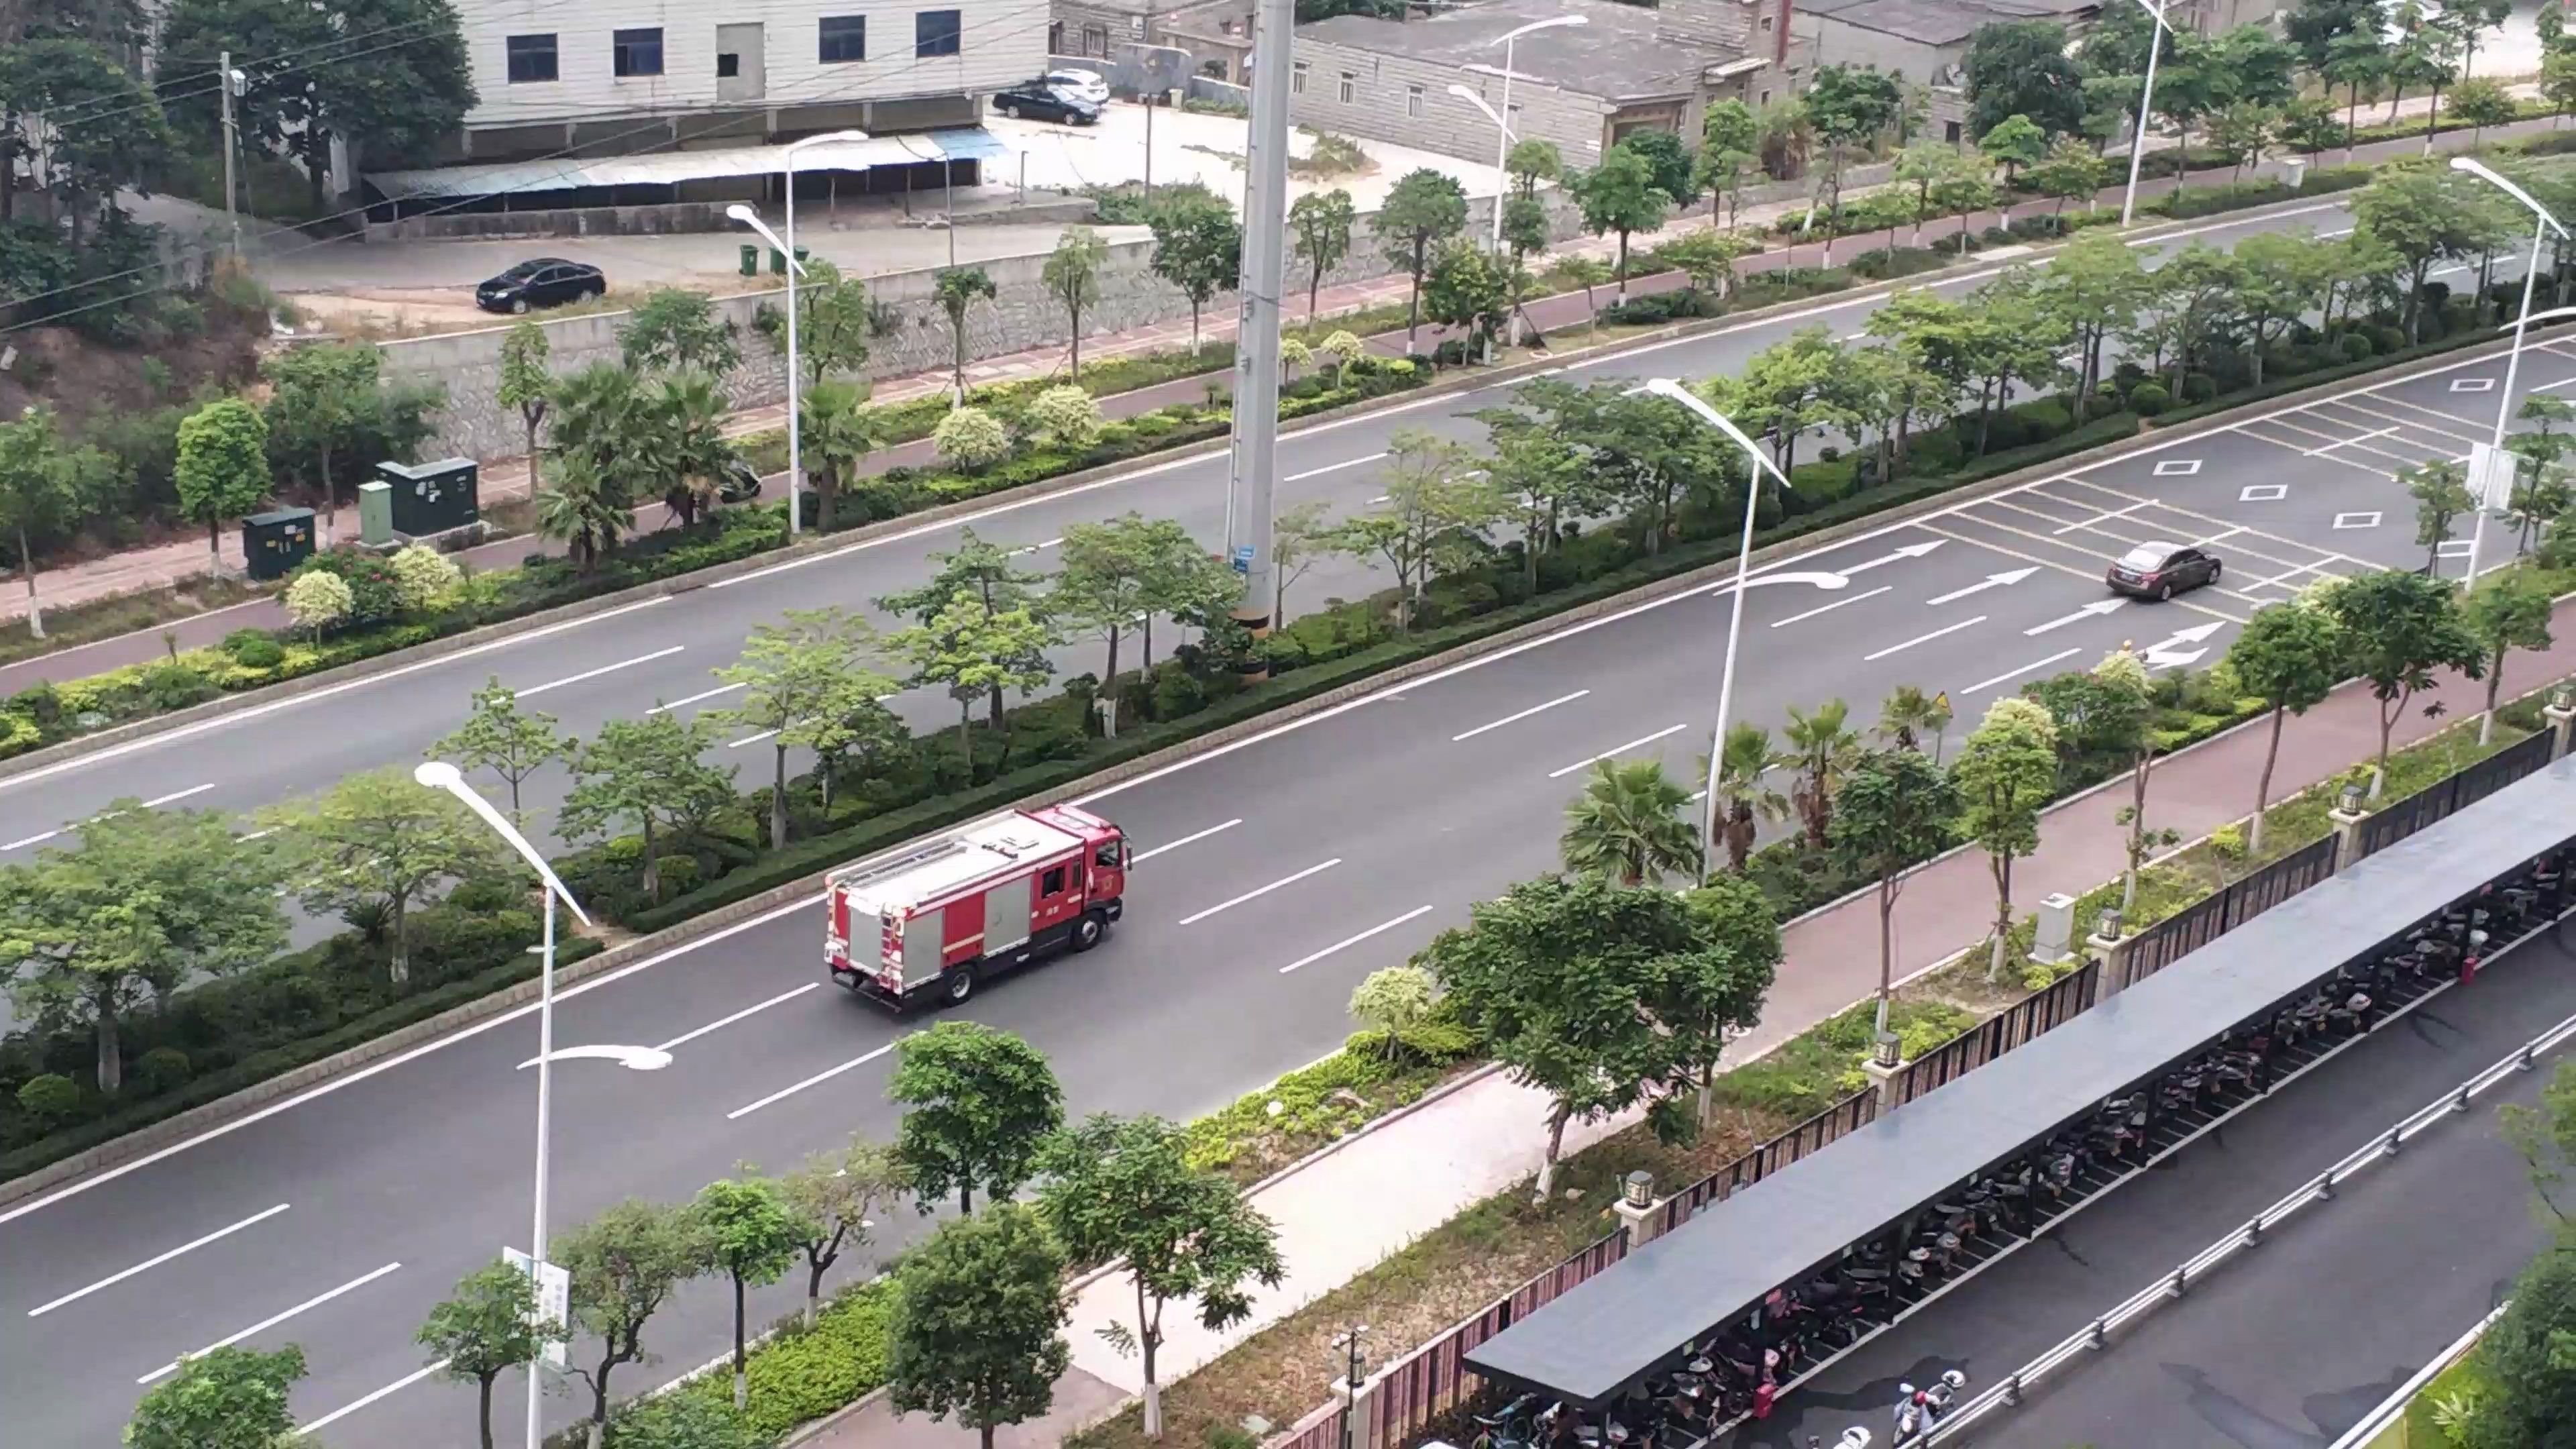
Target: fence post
{"points": [[2114, 949], [2347, 819], [1640, 1212], [2561, 714], [1881, 1071]]}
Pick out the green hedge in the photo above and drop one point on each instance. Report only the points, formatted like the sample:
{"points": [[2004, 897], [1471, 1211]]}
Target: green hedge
{"points": [[803, 1374]]}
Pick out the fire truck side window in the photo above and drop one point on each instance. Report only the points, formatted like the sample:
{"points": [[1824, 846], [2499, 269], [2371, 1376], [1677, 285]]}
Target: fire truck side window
{"points": [[1109, 856], [1052, 883]]}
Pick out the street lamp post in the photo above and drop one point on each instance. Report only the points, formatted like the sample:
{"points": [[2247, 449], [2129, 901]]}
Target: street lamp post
{"points": [[2543, 225], [1671, 388], [1503, 148], [787, 248], [1469, 95], [2146, 100]]}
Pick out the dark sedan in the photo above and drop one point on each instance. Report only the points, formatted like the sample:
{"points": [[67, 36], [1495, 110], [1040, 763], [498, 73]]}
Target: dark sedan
{"points": [[542, 282], [2157, 570], [1042, 101]]}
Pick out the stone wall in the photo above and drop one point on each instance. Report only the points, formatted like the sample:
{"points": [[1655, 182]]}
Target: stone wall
{"points": [[474, 424]]}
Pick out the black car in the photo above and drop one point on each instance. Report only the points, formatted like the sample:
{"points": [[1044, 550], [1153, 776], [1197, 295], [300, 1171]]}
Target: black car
{"points": [[2157, 570], [542, 282], [738, 483], [1043, 101]]}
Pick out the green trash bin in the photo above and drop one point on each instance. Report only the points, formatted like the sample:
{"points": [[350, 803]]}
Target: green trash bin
{"points": [[778, 260], [750, 260]]}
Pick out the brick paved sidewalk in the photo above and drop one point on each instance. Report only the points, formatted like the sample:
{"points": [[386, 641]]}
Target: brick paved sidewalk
{"points": [[1421, 1169]]}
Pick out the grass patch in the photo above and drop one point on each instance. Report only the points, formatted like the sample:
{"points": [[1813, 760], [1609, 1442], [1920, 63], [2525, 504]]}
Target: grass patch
{"points": [[68, 626]]}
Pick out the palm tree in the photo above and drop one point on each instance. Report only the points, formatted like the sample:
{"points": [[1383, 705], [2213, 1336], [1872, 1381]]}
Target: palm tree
{"points": [[582, 508], [1909, 715], [599, 413], [1628, 824], [957, 289], [838, 432], [682, 441], [1820, 748], [1743, 801]]}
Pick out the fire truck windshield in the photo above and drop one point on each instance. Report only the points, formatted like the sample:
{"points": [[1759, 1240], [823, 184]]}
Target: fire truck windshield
{"points": [[1110, 856]]}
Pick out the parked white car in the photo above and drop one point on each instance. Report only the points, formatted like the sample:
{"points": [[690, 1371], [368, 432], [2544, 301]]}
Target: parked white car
{"points": [[1082, 85]]}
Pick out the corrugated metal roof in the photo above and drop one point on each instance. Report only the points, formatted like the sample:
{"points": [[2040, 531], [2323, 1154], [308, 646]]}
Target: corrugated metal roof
{"points": [[668, 168]]}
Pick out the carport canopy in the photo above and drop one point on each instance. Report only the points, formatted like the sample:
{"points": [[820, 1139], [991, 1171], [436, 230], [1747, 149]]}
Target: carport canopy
{"points": [[1596, 1340], [670, 168]]}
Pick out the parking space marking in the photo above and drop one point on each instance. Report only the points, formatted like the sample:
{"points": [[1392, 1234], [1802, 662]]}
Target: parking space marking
{"points": [[2194, 528], [2386, 439], [2263, 493], [2473, 384], [2105, 517], [2369, 519], [2249, 530], [2428, 438], [2452, 548], [2178, 467], [2374, 470], [2348, 442], [2281, 580], [2448, 417]]}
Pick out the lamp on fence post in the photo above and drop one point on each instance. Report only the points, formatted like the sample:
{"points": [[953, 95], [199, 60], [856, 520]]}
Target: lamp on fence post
{"points": [[2346, 817], [2561, 713], [1354, 1358]]}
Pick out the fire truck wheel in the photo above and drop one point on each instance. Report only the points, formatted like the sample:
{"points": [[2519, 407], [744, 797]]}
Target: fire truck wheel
{"points": [[1086, 933], [960, 984]]}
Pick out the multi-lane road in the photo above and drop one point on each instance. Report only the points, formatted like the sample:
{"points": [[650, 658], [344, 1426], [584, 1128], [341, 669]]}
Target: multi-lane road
{"points": [[1274, 875]]}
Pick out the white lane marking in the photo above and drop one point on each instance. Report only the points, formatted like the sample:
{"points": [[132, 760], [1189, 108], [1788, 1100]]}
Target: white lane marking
{"points": [[2348, 442], [1035, 547], [2012, 674], [2331, 235], [1829, 608], [239, 716], [31, 840], [254, 835], [603, 669], [1190, 839], [111, 1174], [749, 740], [822, 1076], [1589, 761], [1922, 639], [2089, 611], [695, 698], [154, 1262], [1331, 468], [1990, 581], [274, 1319], [345, 1410], [176, 795], [1355, 940], [1259, 892], [151, 804], [721, 1022], [1517, 718]]}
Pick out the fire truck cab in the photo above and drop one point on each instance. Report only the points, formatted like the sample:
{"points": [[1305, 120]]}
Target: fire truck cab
{"points": [[931, 920]]}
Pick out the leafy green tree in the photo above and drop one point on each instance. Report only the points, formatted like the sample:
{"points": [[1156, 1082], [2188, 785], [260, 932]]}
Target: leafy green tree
{"points": [[2357, 60], [151, 900], [957, 290], [488, 1325], [835, 321], [500, 737], [793, 672], [2400, 629], [2527, 1380], [1628, 825], [2071, 171], [2290, 658], [2280, 277], [1530, 162], [835, 1196], [976, 1104], [2013, 143], [40, 488], [1319, 230], [1620, 196], [2308, 125], [1794, 385], [838, 430], [1198, 247], [378, 842], [2558, 82], [1071, 276], [2441, 494], [978, 1326], [1435, 513], [1471, 288], [1183, 581], [527, 382], [2540, 490], [1895, 810], [624, 1265], [1106, 584], [222, 468], [1739, 958], [649, 772], [974, 564], [1743, 800], [2005, 775], [1299, 539], [2421, 219], [1923, 166], [1963, 191], [976, 652], [2020, 68], [1537, 469], [751, 1234], [969, 439], [2242, 133], [1123, 1191], [1640, 451], [1847, 105], [224, 1398], [677, 329], [1423, 208], [1670, 162], [1708, 258], [1729, 145], [2505, 611], [317, 398], [81, 121], [318, 599]]}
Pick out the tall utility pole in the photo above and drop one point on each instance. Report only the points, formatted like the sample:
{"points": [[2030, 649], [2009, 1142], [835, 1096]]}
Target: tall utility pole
{"points": [[231, 86], [1256, 350]]}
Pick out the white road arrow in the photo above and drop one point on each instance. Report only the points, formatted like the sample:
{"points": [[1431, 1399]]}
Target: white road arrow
{"points": [[1992, 581], [1818, 579], [2164, 655], [1911, 550], [2089, 611]]}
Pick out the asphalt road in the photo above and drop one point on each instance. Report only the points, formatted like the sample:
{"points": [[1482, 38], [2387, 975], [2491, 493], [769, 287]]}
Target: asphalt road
{"points": [[396, 1182], [2286, 1346]]}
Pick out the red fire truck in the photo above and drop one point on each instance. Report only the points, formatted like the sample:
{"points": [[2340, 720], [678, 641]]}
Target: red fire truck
{"points": [[933, 919]]}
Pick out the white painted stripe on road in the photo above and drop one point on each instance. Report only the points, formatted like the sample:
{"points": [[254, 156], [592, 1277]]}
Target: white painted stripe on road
{"points": [[175, 796], [239, 716], [695, 698], [536, 689], [345, 1410], [1416, 912], [1035, 547], [722, 1022], [254, 835], [1517, 718], [274, 1319], [2100, 518], [1611, 753], [1829, 608], [110, 815], [1331, 468], [1986, 684], [749, 740], [1922, 639], [31, 840], [819, 1077], [1191, 838], [113, 1279], [1254, 895]]}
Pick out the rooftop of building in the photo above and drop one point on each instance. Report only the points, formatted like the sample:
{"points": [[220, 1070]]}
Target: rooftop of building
{"points": [[1944, 22], [1617, 54]]}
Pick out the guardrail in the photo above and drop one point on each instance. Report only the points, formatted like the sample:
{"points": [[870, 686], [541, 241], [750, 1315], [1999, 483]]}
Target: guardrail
{"points": [[2393, 1408], [2008, 1392]]}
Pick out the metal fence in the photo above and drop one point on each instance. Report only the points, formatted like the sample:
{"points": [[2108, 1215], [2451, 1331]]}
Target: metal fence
{"points": [[1848, 1115], [2204, 921], [2043, 1010], [2386, 827], [1433, 1380]]}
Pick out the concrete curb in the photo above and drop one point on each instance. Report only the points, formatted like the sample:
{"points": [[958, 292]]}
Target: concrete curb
{"points": [[1456, 382]]}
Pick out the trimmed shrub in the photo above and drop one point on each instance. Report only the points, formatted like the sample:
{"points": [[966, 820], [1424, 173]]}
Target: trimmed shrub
{"points": [[2353, 347], [2148, 399], [970, 439]]}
